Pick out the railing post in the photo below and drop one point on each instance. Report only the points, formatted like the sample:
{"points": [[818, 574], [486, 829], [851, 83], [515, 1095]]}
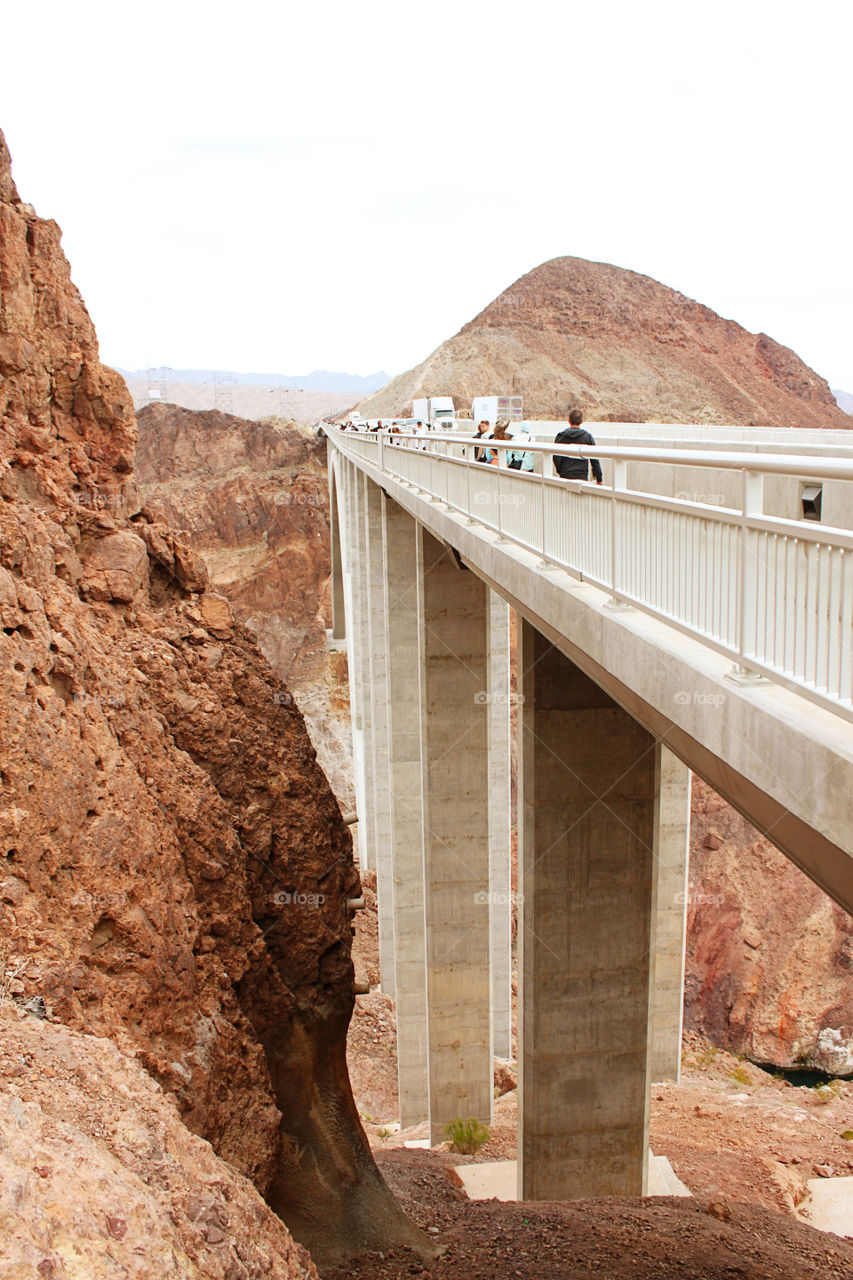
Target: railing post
{"points": [[619, 483], [752, 505], [542, 491], [468, 452]]}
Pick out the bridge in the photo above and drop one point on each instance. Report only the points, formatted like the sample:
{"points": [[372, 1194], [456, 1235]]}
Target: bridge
{"points": [[666, 625]]}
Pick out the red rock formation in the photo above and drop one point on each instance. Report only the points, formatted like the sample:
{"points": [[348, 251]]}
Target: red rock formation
{"points": [[100, 1175], [769, 955], [174, 867], [252, 499], [622, 346]]}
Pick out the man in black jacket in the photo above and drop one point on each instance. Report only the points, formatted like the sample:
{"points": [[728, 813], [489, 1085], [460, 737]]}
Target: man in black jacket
{"points": [[576, 468]]}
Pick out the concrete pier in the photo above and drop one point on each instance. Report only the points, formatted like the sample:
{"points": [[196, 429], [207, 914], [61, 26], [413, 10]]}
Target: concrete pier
{"points": [[500, 888], [671, 852], [379, 780], [353, 567], [587, 780], [338, 627], [400, 539], [455, 741]]}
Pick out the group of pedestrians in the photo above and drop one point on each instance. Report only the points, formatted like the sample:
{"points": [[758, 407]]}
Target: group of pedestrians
{"points": [[567, 466]]}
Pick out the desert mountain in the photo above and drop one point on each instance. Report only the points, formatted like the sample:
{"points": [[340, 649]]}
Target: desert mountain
{"points": [[623, 347]]}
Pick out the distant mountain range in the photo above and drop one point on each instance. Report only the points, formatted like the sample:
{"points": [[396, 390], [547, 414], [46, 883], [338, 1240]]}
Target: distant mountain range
{"points": [[319, 380], [845, 400]]}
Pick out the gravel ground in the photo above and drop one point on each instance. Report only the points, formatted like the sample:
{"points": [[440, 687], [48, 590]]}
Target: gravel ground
{"points": [[630, 1239]]}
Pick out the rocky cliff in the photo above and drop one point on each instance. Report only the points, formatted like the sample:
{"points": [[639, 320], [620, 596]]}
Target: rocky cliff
{"points": [[623, 347], [102, 1179], [769, 955], [252, 499], [174, 866]]}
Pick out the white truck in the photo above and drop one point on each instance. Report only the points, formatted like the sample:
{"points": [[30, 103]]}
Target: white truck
{"points": [[491, 408], [438, 411]]}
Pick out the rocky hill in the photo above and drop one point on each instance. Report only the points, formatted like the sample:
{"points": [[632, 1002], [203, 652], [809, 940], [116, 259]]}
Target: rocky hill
{"points": [[174, 870], [252, 499], [623, 347]]}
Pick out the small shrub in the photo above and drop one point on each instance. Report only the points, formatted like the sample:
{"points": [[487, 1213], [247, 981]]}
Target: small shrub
{"points": [[741, 1076], [848, 1135], [828, 1092], [466, 1136], [384, 1133]]}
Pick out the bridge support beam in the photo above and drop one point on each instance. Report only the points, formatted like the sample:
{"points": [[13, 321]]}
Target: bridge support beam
{"points": [[587, 779], [402, 632], [350, 481], [338, 627], [671, 851], [500, 886], [455, 741], [378, 762]]}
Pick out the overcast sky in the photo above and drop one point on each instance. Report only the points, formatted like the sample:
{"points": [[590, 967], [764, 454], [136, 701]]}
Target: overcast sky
{"points": [[344, 185]]}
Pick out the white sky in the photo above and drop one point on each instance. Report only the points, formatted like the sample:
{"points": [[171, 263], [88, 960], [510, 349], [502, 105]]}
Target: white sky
{"points": [[251, 187]]}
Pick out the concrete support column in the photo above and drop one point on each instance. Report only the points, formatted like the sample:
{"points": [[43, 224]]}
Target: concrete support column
{"points": [[336, 557], [357, 649], [500, 886], [587, 782], [402, 629], [672, 847], [378, 782], [455, 739]]}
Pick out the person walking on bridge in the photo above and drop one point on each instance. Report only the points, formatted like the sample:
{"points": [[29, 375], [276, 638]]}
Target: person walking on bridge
{"points": [[481, 455], [493, 456], [576, 468]]}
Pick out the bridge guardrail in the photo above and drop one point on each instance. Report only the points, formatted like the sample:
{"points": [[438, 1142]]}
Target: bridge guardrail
{"points": [[774, 595]]}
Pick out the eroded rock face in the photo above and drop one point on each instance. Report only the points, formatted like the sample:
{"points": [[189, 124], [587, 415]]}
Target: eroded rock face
{"points": [[252, 499], [769, 955], [173, 865], [623, 347], [101, 1178]]}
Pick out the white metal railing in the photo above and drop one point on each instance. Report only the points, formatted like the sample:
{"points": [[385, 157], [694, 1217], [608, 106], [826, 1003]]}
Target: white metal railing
{"points": [[774, 595]]}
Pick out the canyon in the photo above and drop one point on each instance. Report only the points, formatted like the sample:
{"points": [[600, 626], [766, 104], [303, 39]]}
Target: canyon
{"points": [[177, 881], [768, 954]]}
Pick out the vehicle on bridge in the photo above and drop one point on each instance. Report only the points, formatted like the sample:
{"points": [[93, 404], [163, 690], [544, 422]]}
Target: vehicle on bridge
{"points": [[491, 408], [438, 411]]}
